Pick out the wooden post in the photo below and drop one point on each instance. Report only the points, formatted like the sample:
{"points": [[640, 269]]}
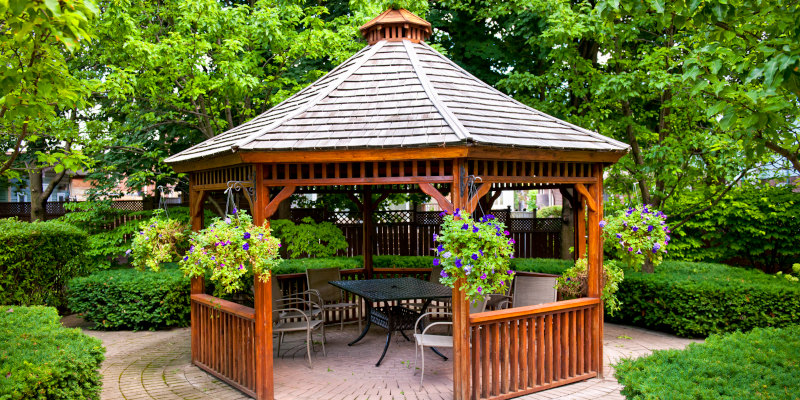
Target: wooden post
{"points": [[196, 200], [580, 227], [197, 287], [265, 385], [461, 360], [595, 260], [367, 229], [598, 170]]}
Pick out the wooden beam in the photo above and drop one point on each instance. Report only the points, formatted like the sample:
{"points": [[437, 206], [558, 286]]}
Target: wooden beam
{"points": [[359, 204], [444, 204], [397, 180], [523, 154], [367, 229], [275, 202], [219, 161], [538, 179], [264, 382], [590, 200]]}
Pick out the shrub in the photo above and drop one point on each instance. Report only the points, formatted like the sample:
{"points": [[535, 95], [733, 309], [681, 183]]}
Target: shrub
{"points": [[761, 364], [758, 227], [40, 359], [699, 299], [542, 265], [132, 299], [36, 261], [549, 212], [309, 239]]}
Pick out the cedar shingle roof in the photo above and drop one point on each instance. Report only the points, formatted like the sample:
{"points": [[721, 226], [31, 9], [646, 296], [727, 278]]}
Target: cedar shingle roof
{"points": [[399, 94]]}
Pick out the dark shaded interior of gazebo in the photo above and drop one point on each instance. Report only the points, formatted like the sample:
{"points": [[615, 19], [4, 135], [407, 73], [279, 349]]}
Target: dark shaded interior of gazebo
{"points": [[417, 123]]}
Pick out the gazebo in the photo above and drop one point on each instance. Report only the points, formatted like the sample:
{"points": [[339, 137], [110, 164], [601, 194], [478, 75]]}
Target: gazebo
{"points": [[399, 116]]}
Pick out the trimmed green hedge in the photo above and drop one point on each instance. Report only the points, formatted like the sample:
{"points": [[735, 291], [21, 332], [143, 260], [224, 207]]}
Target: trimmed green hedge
{"points": [[36, 261], [761, 364], [699, 299], [543, 265], [40, 359], [132, 299]]}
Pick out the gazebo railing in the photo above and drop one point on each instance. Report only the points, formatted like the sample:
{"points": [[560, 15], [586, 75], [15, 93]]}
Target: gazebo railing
{"points": [[527, 349], [223, 341]]}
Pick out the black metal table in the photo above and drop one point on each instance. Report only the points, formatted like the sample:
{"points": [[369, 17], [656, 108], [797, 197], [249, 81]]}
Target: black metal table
{"points": [[393, 318]]}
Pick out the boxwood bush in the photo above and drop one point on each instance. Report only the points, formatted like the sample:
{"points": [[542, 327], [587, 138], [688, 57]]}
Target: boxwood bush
{"points": [[761, 364], [36, 261], [40, 359], [132, 299], [699, 299]]}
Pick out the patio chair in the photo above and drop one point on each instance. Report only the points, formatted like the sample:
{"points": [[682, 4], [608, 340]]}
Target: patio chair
{"points": [[425, 339], [531, 290], [331, 297], [436, 273], [295, 314]]}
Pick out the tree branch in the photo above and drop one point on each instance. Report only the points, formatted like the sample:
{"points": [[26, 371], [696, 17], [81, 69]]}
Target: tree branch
{"points": [[713, 203]]}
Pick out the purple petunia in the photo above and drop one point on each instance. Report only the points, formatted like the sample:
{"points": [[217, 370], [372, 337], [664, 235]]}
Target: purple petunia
{"points": [[246, 246], [479, 289], [186, 258], [191, 249], [475, 229], [656, 246], [443, 274], [442, 214], [639, 251], [241, 267], [227, 220], [619, 236], [436, 262], [603, 224], [490, 216], [235, 210], [128, 252], [213, 258], [435, 237], [625, 223], [483, 276], [480, 251], [246, 235], [474, 256], [465, 226], [512, 241], [446, 254], [649, 228], [506, 233], [510, 272], [630, 249], [458, 263], [635, 228], [440, 248]]}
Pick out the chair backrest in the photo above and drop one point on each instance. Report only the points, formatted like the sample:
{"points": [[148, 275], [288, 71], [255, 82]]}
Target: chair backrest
{"points": [[477, 306], [532, 290], [318, 280], [436, 273]]}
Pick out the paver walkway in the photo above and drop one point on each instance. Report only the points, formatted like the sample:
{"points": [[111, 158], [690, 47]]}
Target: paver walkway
{"points": [[156, 365]]}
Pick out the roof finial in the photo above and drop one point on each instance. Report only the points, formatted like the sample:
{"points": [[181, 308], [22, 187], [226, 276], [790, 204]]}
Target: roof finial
{"points": [[396, 25]]}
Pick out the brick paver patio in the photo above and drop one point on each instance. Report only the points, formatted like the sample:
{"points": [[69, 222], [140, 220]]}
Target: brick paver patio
{"points": [[155, 365]]}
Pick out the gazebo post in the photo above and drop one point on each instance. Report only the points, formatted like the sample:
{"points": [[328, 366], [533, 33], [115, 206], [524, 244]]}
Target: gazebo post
{"points": [[461, 368], [595, 261], [264, 385], [367, 229], [196, 199]]}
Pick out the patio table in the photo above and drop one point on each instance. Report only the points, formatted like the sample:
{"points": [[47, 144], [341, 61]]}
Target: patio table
{"points": [[393, 318]]}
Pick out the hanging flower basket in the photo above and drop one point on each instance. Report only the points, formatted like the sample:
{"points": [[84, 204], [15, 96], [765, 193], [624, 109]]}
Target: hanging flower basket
{"points": [[478, 251]]}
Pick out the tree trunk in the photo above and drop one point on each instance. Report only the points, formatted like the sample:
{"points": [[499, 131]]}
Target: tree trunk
{"points": [[648, 267], [38, 211], [285, 209]]}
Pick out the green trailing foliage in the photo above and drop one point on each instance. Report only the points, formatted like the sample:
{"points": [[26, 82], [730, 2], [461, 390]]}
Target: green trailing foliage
{"points": [[761, 364], [700, 299], [36, 261], [132, 299], [160, 240], [759, 226], [42, 360], [637, 236], [574, 283], [310, 238], [476, 252]]}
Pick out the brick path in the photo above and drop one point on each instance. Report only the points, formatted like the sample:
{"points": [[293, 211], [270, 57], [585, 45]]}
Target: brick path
{"points": [[155, 365]]}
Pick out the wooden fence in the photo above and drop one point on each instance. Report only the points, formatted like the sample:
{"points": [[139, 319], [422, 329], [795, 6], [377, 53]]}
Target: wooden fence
{"points": [[528, 349], [55, 209], [410, 233]]}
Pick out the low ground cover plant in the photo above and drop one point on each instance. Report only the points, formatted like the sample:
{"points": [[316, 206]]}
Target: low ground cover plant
{"points": [[761, 364], [40, 359], [36, 261], [132, 299], [699, 299]]}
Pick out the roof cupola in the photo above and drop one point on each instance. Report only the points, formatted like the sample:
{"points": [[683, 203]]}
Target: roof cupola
{"points": [[396, 25]]}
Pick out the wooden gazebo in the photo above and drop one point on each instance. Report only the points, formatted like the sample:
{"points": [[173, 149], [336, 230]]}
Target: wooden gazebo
{"points": [[399, 116]]}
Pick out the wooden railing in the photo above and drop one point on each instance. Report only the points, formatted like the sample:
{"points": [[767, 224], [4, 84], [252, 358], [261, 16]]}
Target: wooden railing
{"points": [[527, 349], [223, 341]]}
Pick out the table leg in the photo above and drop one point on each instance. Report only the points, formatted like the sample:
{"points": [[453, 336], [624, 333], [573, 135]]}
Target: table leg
{"points": [[366, 326], [405, 336], [388, 340]]}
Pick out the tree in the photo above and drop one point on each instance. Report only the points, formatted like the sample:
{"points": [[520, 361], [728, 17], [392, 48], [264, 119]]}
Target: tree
{"points": [[37, 89]]}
